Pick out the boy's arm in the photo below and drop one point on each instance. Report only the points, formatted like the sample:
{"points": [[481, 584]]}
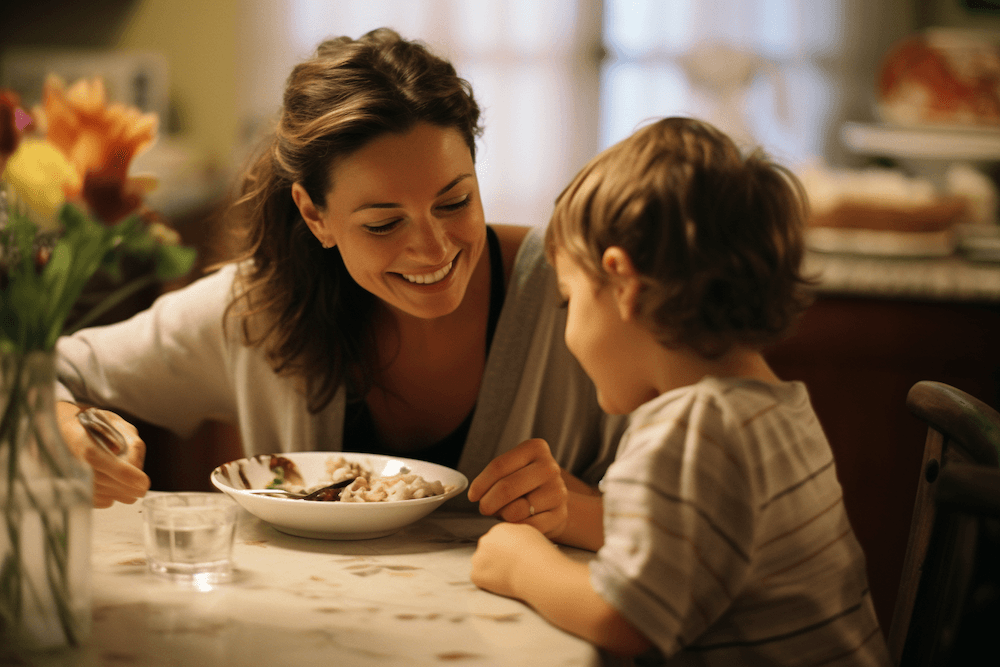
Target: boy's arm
{"points": [[517, 561]]}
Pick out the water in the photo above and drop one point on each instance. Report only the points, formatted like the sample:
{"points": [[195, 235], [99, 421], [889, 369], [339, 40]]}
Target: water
{"points": [[189, 542], [54, 611]]}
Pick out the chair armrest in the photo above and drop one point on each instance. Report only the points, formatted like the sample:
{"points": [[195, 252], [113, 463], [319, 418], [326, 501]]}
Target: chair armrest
{"points": [[968, 420]]}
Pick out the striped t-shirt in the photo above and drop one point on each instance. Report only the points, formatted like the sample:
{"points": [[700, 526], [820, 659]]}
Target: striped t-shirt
{"points": [[726, 539]]}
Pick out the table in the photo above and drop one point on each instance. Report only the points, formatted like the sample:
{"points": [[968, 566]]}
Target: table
{"points": [[405, 599]]}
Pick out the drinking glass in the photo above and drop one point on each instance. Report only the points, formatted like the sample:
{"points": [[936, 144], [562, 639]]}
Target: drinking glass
{"points": [[189, 536]]}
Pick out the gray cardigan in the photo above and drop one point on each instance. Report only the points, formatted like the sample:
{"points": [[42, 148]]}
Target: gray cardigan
{"points": [[174, 366]]}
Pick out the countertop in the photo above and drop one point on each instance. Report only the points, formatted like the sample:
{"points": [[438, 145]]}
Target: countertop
{"points": [[947, 278]]}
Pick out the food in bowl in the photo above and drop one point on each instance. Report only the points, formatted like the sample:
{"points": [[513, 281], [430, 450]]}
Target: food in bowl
{"points": [[245, 481], [350, 482]]}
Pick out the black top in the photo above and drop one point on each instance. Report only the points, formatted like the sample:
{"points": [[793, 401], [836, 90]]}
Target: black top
{"points": [[359, 428]]}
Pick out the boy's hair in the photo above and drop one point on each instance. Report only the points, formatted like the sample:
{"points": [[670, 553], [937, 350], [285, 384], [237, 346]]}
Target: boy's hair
{"points": [[715, 236]]}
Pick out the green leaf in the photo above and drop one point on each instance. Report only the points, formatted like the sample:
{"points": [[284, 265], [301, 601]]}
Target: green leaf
{"points": [[35, 304], [174, 261]]}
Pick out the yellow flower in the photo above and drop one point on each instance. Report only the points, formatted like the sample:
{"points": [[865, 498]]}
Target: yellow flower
{"points": [[41, 176]]}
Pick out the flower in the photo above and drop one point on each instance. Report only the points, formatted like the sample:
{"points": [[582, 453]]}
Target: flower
{"points": [[10, 134], [42, 177], [69, 210], [100, 140]]}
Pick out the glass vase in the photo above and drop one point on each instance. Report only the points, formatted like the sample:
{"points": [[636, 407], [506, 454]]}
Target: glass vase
{"points": [[46, 500]]}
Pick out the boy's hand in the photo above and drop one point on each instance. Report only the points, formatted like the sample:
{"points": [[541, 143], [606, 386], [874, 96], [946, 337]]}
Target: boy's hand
{"points": [[524, 485], [502, 552]]}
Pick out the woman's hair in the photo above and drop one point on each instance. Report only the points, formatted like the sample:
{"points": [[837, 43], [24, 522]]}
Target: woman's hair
{"points": [[296, 298], [715, 236]]}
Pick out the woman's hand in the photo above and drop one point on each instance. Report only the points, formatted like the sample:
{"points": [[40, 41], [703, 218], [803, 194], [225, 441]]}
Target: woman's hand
{"points": [[120, 479], [501, 554], [524, 485]]}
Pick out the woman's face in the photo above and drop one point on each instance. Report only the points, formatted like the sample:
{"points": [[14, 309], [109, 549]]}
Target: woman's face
{"points": [[405, 212]]}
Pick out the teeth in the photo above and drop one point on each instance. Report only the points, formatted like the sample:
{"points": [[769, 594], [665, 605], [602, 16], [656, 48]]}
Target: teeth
{"points": [[429, 278]]}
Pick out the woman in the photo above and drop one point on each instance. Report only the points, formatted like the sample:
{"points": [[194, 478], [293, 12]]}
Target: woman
{"points": [[374, 310]]}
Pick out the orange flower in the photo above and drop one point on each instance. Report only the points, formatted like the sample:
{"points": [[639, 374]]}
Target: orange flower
{"points": [[100, 141]]}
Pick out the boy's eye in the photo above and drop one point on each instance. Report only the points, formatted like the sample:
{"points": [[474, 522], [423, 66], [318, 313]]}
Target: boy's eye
{"points": [[383, 228], [456, 204]]}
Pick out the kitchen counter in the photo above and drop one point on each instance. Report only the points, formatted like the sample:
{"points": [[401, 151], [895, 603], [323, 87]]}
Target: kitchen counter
{"points": [[949, 278]]}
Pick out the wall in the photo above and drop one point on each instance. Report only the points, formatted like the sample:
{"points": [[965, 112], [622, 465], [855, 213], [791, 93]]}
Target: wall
{"points": [[197, 37], [959, 13]]}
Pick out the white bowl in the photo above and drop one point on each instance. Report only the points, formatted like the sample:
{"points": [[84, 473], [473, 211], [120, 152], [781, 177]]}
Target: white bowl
{"points": [[333, 520]]}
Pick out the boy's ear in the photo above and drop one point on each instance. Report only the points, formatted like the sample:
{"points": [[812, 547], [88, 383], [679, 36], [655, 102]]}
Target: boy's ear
{"points": [[624, 280], [312, 216]]}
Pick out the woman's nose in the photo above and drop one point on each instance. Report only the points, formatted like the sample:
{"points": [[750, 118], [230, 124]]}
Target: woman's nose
{"points": [[430, 242]]}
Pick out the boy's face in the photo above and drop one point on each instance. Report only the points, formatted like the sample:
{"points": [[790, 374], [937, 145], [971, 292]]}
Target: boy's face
{"points": [[600, 339]]}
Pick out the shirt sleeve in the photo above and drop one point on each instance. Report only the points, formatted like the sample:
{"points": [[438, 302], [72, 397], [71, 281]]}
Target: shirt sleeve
{"points": [[168, 365], [678, 523]]}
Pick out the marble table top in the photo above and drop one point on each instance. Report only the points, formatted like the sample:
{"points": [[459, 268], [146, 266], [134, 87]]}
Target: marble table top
{"points": [[405, 599]]}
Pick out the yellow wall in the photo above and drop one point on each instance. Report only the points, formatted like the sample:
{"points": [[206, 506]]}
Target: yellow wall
{"points": [[198, 38]]}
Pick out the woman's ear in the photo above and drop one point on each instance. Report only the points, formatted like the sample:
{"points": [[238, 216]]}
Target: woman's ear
{"points": [[312, 216], [624, 280]]}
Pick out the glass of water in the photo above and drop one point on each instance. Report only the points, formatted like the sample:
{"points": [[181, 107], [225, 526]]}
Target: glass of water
{"points": [[189, 536]]}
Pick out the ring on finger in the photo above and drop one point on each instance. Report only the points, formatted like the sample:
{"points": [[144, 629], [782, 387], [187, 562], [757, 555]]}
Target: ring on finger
{"points": [[531, 509]]}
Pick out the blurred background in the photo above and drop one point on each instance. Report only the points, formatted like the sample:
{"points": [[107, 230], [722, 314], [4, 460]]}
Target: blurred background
{"points": [[558, 79]]}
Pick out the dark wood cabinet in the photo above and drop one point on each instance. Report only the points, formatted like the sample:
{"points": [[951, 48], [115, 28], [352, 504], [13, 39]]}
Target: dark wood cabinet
{"points": [[859, 357]]}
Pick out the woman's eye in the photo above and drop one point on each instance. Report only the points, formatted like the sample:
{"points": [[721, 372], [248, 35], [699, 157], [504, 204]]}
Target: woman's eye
{"points": [[456, 205], [382, 228]]}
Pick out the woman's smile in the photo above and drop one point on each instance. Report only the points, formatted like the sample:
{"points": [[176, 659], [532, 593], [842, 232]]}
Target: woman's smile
{"points": [[432, 277]]}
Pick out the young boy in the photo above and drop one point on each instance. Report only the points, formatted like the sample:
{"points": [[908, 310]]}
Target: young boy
{"points": [[724, 538]]}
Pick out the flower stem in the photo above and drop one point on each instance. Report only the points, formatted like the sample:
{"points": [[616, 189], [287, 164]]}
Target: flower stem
{"points": [[112, 300]]}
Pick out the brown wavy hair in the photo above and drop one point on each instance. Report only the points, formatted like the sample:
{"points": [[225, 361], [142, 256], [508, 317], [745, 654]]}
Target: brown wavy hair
{"points": [[716, 236], [295, 298]]}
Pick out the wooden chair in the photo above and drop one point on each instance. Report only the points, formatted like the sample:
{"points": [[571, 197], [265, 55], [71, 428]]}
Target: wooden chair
{"points": [[948, 608]]}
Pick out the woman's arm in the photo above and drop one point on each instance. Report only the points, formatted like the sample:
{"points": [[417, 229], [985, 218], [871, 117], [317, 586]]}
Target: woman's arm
{"points": [[517, 561]]}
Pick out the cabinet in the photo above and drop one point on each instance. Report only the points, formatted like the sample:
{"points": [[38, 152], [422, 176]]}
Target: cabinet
{"points": [[859, 355]]}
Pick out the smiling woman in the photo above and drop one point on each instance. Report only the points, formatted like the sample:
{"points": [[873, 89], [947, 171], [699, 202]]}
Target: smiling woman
{"points": [[372, 309], [418, 250]]}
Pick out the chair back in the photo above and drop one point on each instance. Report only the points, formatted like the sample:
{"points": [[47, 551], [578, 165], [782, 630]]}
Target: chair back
{"points": [[950, 588]]}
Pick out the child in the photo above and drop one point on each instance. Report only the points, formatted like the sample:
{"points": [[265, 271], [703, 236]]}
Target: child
{"points": [[724, 538]]}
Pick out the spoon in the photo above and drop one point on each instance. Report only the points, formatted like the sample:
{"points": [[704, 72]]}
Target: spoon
{"points": [[103, 432], [318, 494]]}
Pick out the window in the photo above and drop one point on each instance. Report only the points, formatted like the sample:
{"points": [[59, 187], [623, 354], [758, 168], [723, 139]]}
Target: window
{"points": [[559, 80], [742, 65]]}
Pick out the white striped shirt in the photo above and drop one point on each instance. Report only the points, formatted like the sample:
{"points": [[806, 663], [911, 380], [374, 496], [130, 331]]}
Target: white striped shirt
{"points": [[726, 537]]}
